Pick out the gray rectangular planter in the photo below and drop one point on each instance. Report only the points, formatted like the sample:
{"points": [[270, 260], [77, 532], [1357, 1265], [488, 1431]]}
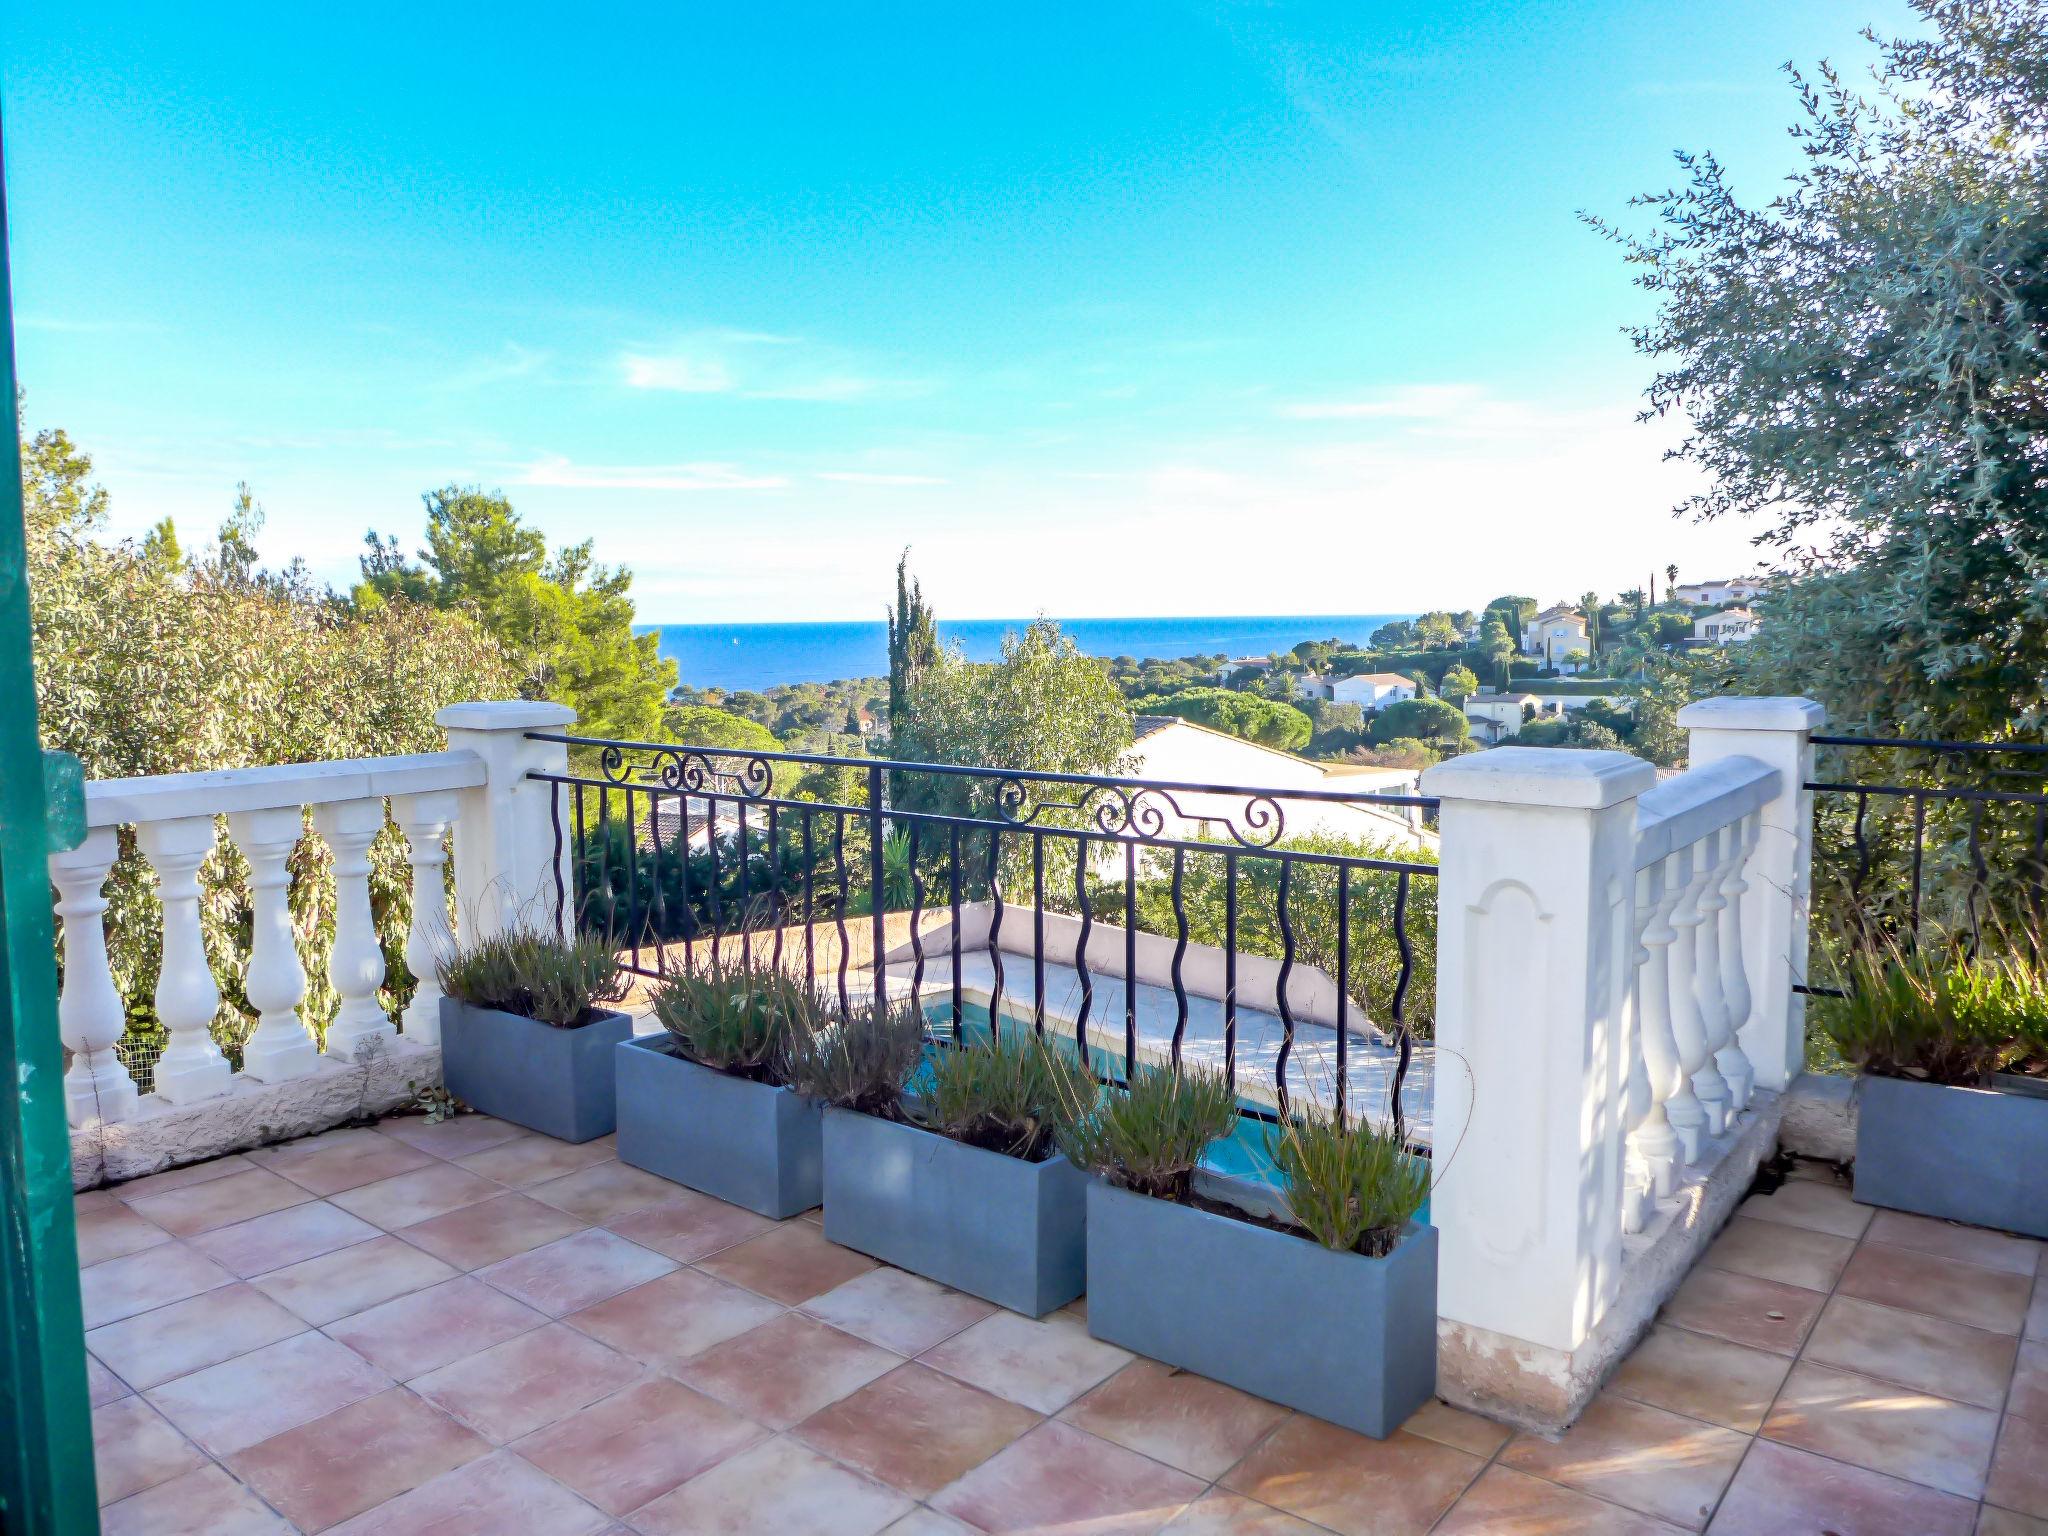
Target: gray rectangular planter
{"points": [[556, 1081], [1012, 1232], [1337, 1335], [751, 1143], [1978, 1155]]}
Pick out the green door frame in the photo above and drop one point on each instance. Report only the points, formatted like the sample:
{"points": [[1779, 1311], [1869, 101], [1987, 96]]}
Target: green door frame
{"points": [[46, 1471]]}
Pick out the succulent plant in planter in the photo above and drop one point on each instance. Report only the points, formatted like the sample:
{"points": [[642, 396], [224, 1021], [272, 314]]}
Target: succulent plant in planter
{"points": [[1182, 1277], [1952, 1110], [709, 1103], [527, 1030], [962, 1183]]}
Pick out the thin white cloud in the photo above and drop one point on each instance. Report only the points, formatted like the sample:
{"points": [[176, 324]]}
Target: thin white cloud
{"points": [[700, 475], [677, 371], [1408, 402], [875, 477], [760, 365]]}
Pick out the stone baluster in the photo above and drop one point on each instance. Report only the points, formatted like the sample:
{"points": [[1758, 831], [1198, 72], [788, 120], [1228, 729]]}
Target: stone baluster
{"points": [[1735, 999], [355, 966], [425, 819], [1656, 1141], [1711, 857], [90, 1018], [1705, 1097], [1642, 1116], [192, 1066], [1670, 969], [280, 1046]]}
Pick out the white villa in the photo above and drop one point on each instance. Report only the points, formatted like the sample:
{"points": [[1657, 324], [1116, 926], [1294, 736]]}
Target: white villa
{"points": [[1731, 626], [1497, 717], [1368, 690], [1555, 633], [1735, 589], [1230, 669]]}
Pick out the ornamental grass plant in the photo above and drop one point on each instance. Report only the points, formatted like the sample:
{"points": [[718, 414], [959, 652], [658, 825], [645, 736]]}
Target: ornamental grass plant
{"points": [[863, 1060], [536, 973], [747, 1019], [1149, 1136], [1353, 1188], [1937, 1012], [1003, 1094]]}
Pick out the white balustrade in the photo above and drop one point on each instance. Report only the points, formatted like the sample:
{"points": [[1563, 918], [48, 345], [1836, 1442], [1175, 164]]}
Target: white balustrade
{"points": [[1735, 995], [192, 1066], [90, 1016], [280, 1046], [425, 819], [1691, 1005], [355, 965], [1652, 1140]]}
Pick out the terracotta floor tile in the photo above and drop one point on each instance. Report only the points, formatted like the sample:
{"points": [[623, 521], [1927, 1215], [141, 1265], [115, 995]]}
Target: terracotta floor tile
{"points": [[1806, 1203], [928, 1522], [205, 1502], [134, 1447], [898, 1310], [2037, 1313], [141, 1281], [425, 1330], [1704, 1378], [527, 1383], [791, 1264], [1439, 1421], [1946, 1240], [1919, 1282], [1883, 1427], [2030, 1383], [339, 1160], [180, 1178], [1993, 1521], [1771, 1250], [1784, 1492], [190, 1335], [101, 1384], [638, 1444], [603, 1191], [1187, 1421], [406, 1199], [915, 1429], [1639, 1457], [283, 1237], [1043, 1363], [2019, 1472], [355, 1458], [248, 1399], [1231, 1514], [575, 1272], [1353, 1485], [532, 1159], [490, 1230], [212, 1203], [786, 1369], [450, 1138], [1948, 1359], [667, 1321], [1744, 1310], [688, 1226], [352, 1279], [1505, 1502], [779, 1486], [111, 1230], [1060, 1478], [495, 1496]]}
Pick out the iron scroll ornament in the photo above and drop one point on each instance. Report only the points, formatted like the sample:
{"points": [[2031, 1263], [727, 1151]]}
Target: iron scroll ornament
{"points": [[1118, 810], [686, 770]]}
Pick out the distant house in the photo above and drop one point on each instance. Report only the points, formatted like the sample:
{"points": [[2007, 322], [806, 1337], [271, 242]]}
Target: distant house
{"points": [[1555, 633], [1230, 669], [1174, 751], [1497, 717], [1368, 690], [1735, 589], [1731, 626]]}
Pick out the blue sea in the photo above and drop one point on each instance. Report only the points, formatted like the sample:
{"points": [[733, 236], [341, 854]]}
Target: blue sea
{"points": [[736, 656]]}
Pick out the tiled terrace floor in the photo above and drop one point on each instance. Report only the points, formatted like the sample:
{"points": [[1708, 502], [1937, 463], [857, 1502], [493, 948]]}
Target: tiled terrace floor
{"points": [[467, 1329]]}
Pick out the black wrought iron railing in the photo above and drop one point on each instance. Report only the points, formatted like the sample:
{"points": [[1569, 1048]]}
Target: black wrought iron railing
{"points": [[1286, 937], [1949, 835]]}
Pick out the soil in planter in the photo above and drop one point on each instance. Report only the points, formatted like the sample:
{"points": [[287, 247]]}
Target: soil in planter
{"points": [[761, 1072], [1367, 1247], [1005, 1137]]}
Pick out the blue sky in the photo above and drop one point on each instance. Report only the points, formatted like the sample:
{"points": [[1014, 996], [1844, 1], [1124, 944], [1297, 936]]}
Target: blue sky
{"points": [[1146, 308]]}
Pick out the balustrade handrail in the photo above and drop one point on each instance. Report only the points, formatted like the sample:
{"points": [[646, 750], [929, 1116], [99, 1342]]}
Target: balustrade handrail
{"points": [[213, 792], [1686, 807]]}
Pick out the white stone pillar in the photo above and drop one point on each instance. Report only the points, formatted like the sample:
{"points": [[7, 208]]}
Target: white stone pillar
{"points": [[1778, 876], [280, 1046], [192, 1066], [425, 819], [355, 966], [509, 869], [1535, 949], [90, 1018]]}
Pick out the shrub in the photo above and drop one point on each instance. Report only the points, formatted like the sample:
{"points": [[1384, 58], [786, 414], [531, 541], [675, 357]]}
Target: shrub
{"points": [[1004, 1096], [1149, 1136], [862, 1060], [1351, 1188], [530, 971], [1936, 1013], [747, 1020]]}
